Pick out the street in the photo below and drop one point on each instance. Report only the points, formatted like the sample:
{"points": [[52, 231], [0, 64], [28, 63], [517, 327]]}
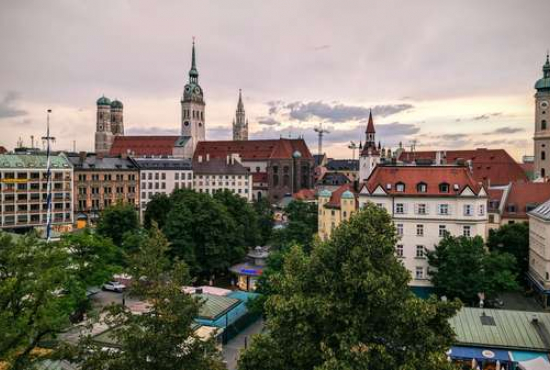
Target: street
{"points": [[231, 351]]}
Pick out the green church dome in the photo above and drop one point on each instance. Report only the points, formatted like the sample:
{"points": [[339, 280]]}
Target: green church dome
{"points": [[116, 104], [325, 194], [544, 82], [103, 101], [348, 195]]}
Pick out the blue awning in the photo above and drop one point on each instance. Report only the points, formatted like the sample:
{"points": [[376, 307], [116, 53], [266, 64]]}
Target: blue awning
{"points": [[480, 354]]}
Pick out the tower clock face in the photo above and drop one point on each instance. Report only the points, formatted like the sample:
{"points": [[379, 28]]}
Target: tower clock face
{"points": [[544, 104]]}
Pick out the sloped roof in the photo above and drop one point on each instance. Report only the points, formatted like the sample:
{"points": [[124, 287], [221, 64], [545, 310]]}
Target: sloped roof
{"points": [[542, 211], [32, 161], [336, 195], [163, 163], [304, 194], [489, 165], [525, 195], [331, 178], [432, 176], [502, 328], [215, 306], [250, 150], [146, 145], [343, 164], [3, 150], [95, 162], [370, 125], [219, 166]]}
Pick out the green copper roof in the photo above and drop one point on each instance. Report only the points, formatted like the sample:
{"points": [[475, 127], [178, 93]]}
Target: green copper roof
{"points": [[348, 195], [325, 193], [544, 82], [502, 328], [214, 306], [103, 101], [30, 161], [116, 104]]}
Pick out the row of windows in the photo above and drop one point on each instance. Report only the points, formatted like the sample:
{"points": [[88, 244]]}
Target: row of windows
{"points": [[466, 230], [422, 187], [221, 183], [442, 209], [107, 177], [106, 190], [35, 219], [195, 113]]}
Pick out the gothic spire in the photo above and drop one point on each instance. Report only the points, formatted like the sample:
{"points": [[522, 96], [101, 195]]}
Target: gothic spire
{"points": [[546, 67], [193, 72], [370, 125], [240, 105]]}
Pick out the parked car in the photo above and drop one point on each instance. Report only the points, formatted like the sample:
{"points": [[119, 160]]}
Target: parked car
{"points": [[114, 286]]}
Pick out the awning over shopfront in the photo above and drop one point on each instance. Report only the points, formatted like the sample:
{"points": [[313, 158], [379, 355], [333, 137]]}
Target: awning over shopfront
{"points": [[480, 354], [535, 364]]}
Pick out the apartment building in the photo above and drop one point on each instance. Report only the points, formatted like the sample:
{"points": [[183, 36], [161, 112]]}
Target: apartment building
{"points": [[100, 181], [23, 191], [216, 174], [539, 253], [426, 202]]}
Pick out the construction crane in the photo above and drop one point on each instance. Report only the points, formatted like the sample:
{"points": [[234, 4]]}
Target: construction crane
{"points": [[320, 133], [353, 147]]}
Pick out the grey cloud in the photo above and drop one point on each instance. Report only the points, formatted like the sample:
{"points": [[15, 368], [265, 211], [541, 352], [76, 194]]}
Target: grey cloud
{"points": [[151, 131], [333, 112], [7, 109], [452, 136], [505, 130], [486, 116], [268, 121], [219, 133], [396, 129]]}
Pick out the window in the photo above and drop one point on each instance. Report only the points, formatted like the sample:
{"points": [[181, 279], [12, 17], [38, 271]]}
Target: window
{"points": [[399, 250], [420, 251], [467, 210], [399, 208], [419, 273], [150, 176], [542, 172], [421, 187], [421, 209], [442, 231], [482, 209], [543, 155], [419, 230], [176, 176], [467, 230], [399, 229], [443, 209], [543, 125], [163, 176], [400, 187], [444, 187], [156, 175]]}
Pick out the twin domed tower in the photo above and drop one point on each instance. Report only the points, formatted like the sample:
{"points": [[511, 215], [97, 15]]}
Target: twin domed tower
{"points": [[109, 123]]}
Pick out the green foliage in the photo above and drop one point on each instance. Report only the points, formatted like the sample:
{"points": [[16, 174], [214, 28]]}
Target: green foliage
{"points": [[347, 305], [301, 227], [513, 239], [116, 220], [462, 267], [33, 277], [244, 215], [157, 211], [163, 338], [265, 220]]}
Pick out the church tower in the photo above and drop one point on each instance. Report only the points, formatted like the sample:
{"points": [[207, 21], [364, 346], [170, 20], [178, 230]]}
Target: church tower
{"points": [[117, 121], [370, 154], [240, 123], [103, 133], [542, 118], [192, 106]]}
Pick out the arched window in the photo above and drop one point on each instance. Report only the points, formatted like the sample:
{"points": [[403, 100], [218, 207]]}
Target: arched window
{"points": [[543, 155], [444, 187], [542, 172], [286, 180], [421, 187], [543, 125]]}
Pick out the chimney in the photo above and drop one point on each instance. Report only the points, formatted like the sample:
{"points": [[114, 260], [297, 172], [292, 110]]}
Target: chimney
{"points": [[207, 157], [82, 156], [199, 158]]}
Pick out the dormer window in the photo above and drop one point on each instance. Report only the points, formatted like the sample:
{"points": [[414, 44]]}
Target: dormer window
{"points": [[400, 187], [421, 187], [511, 208], [444, 187]]}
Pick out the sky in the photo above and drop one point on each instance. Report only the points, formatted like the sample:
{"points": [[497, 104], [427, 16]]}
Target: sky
{"points": [[441, 74]]}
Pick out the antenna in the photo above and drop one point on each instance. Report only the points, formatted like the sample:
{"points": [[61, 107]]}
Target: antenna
{"points": [[352, 146], [32, 141], [413, 145], [48, 139], [320, 133]]}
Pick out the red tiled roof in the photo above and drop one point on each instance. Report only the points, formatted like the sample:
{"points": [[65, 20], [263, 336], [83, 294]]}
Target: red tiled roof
{"points": [[495, 194], [254, 149], [3, 150], [259, 177], [370, 125], [489, 165], [522, 194], [527, 167], [143, 145], [304, 194], [336, 195], [432, 176]]}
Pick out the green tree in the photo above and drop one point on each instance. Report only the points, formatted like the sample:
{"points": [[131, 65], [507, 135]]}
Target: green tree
{"points": [[462, 267], [203, 233], [265, 220], [116, 220], [244, 216], [163, 338], [157, 211], [301, 227], [347, 305], [33, 277], [513, 239]]}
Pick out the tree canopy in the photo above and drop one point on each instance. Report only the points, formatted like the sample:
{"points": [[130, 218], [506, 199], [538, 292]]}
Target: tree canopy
{"points": [[301, 226], [163, 338], [347, 305], [36, 298], [513, 239], [116, 220], [462, 267]]}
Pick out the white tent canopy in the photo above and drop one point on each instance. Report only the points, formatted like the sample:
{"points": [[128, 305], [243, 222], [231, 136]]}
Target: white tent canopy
{"points": [[535, 364]]}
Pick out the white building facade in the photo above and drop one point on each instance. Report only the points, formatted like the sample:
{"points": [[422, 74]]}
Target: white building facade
{"points": [[216, 174], [539, 252], [426, 203]]}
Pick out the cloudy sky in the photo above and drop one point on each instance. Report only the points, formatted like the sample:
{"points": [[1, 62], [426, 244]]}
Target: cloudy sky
{"points": [[446, 74]]}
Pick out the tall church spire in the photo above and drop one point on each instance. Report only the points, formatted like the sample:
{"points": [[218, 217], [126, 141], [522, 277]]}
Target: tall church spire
{"points": [[240, 105], [240, 123], [371, 132], [193, 72]]}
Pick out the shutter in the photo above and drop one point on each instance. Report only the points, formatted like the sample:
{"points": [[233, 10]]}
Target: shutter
{"points": [[427, 208]]}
